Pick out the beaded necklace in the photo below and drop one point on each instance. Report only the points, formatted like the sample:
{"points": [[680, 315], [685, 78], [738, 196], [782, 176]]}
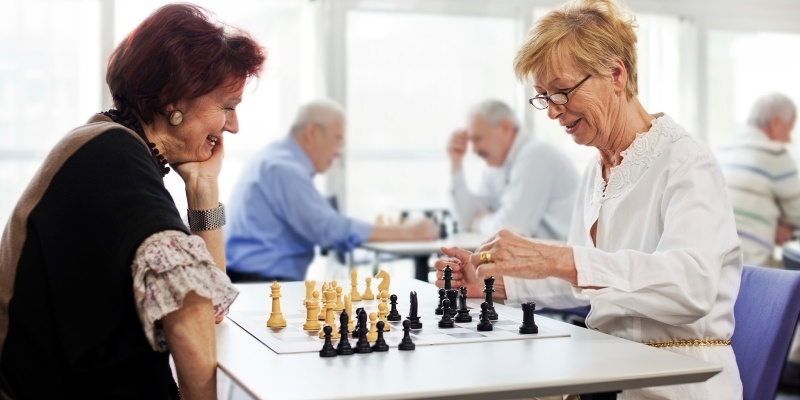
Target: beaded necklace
{"points": [[127, 120]]}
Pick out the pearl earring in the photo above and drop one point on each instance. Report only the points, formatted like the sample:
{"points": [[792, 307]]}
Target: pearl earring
{"points": [[175, 118]]}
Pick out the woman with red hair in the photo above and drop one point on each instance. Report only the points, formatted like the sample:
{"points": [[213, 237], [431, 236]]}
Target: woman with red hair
{"points": [[100, 280]]}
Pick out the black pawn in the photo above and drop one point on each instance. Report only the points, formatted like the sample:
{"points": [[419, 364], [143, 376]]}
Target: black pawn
{"points": [[447, 320], [406, 343], [463, 311], [528, 325], [380, 343], [344, 348], [485, 324], [447, 275], [441, 298], [327, 349], [413, 312], [362, 345], [394, 315], [452, 295], [489, 289]]}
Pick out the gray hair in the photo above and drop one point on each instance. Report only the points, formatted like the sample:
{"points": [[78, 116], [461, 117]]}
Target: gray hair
{"points": [[768, 106], [494, 111], [323, 112]]}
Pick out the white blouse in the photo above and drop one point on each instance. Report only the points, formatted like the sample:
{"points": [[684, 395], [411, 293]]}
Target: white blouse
{"points": [[667, 258]]}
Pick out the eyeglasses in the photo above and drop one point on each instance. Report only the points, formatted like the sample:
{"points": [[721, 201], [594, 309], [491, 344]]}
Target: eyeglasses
{"points": [[557, 98]]}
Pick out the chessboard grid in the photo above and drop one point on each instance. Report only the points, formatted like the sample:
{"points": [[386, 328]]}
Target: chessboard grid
{"points": [[293, 339]]}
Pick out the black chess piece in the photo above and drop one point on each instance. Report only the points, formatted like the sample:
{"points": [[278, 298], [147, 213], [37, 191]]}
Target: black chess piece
{"points": [[452, 295], [344, 348], [362, 345], [528, 325], [413, 313], [485, 324], [489, 289], [463, 311], [447, 320], [357, 326], [455, 227], [447, 276], [442, 231], [327, 349], [406, 343], [394, 315], [380, 342], [441, 298]]}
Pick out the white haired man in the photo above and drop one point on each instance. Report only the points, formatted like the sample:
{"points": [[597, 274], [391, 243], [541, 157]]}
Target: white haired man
{"points": [[762, 179], [529, 186], [276, 215]]}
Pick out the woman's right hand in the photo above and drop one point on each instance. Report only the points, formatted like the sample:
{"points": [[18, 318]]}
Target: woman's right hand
{"points": [[463, 272]]}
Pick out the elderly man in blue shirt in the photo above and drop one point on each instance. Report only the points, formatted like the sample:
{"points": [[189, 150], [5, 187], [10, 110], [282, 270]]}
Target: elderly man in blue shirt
{"points": [[276, 216]]}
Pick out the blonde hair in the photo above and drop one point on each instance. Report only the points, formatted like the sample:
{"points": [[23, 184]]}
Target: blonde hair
{"points": [[588, 33]]}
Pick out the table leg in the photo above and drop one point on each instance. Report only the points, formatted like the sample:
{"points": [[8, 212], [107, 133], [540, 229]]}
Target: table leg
{"points": [[421, 267]]}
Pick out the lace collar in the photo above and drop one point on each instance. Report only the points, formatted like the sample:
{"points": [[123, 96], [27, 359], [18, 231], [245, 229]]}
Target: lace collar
{"points": [[644, 149]]}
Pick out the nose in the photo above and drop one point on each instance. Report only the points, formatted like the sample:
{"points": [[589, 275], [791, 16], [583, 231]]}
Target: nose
{"points": [[554, 110], [231, 122]]}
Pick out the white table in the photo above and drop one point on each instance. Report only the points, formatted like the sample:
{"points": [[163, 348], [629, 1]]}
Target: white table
{"points": [[421, 251], [585, 362]]}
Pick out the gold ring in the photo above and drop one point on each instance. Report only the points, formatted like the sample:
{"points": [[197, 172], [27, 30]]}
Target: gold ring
{"points": [[486, 257]]}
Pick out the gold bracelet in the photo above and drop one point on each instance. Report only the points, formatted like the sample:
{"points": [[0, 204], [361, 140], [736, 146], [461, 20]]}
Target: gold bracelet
{"points": [[690, 343]]}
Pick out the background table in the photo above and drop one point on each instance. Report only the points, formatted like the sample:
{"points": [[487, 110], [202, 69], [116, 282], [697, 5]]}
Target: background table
{"points": [[421, 251], [585, 362]]}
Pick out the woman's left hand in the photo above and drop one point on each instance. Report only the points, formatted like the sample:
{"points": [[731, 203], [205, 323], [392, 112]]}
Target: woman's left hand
{"points": [[508, 254]]}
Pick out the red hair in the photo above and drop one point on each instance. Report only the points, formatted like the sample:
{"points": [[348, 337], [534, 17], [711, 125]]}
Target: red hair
{"points": [[178, 53]]}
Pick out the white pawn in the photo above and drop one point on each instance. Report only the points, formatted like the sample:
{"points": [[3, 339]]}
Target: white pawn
{"points": [[372, 335], [368, 295], [339, 303], [354, 295], [276, 319], [382, 312], [312, 324], [384, 296]]}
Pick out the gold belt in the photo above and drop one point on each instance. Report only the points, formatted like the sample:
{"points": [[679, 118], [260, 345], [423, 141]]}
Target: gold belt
{"points": [[690, 343]]}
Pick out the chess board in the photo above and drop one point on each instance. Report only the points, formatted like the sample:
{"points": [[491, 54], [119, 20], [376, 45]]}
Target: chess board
{"points": [[293, 339]]}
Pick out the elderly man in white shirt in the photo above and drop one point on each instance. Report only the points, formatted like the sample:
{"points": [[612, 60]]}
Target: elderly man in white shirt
{"points": [[529, 186]]}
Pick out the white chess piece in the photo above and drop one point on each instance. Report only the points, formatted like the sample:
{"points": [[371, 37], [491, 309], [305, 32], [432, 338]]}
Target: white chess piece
{"points": [[312, 324], [276, 319]]}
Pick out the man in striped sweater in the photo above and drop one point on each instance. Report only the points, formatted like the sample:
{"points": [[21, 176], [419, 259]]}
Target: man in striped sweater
{"points": [[763, 180]]}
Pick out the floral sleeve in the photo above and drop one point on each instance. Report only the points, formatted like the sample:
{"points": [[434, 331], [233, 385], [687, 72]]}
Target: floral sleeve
{"points": [[167, 266]]}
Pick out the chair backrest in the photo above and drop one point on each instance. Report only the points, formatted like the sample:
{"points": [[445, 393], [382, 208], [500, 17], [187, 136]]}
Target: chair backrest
{"points": [[766, 314], [791, 256]]}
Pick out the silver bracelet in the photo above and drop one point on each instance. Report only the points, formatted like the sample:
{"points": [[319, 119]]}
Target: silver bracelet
{"points": [[206, 220]]}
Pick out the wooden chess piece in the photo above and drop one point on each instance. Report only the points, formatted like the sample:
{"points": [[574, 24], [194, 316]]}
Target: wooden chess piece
{"points": [[406, 343], [485, 324], [312, 323], [339, 303], [385, 280], [330, 320], [344, 348], [394, 315], [309, 289], [348, 308], [276, 319], [372, 335], [382, 312], [368, 295], [384, 297], [380, 342], [322, 311], [327, 348], [354, 295]]}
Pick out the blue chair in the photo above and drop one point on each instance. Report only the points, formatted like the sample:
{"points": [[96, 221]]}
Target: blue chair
{"points": [[766, 313]]}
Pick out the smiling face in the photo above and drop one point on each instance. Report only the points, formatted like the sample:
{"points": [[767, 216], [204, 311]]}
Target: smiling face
{"points": [[204, 121], [592, 109]]}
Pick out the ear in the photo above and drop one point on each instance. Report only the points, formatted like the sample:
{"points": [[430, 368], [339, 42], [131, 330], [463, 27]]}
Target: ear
{"points": [[619, 75]]}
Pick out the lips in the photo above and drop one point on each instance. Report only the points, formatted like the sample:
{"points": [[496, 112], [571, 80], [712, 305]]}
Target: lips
{"points": [[570, 128], [212, 139]]}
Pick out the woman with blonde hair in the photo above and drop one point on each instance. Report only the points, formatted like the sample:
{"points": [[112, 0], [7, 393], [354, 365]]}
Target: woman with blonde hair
{"points": [[631, 254]]}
